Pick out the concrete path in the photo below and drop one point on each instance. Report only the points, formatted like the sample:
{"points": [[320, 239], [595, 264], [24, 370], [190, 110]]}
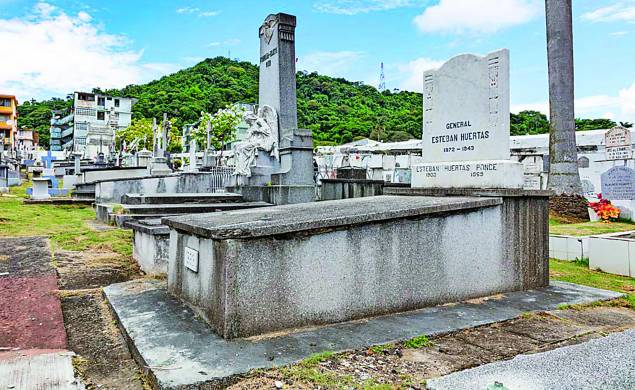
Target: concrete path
{"points": [[600, 364], [32, 334], [38, 369], [30, 310], [179, 349]]}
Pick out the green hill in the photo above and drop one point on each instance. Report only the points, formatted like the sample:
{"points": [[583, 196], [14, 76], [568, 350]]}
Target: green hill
{"points": [[337, 110]]}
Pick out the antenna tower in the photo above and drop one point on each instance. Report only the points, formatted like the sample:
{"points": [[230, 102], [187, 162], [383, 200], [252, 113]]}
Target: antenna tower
{"points": [[382, 79]]}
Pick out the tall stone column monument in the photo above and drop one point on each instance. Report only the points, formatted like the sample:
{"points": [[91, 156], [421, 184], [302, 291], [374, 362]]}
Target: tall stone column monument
{"points": [[275, 161]]}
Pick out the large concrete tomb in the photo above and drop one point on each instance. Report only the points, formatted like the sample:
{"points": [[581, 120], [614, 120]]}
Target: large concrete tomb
{"points": [[251, 272]]}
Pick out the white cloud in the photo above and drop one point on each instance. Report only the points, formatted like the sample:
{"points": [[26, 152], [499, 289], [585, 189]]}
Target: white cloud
{"points": [[412, 73], [619, 33], [228, 42], [354, 7], [54, 53], [619, 107], [197, 11], [623, 11], [331, 63], [476, 16]]}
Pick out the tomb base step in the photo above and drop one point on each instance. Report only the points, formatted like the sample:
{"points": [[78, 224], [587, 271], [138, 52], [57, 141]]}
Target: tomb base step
{"points": [[182, 198], [188, 208], [160, 328]]}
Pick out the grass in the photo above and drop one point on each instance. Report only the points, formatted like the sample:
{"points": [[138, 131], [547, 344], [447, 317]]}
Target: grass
{"points": [[588, 228], [417, 342], [577, 272], [65, 225]]}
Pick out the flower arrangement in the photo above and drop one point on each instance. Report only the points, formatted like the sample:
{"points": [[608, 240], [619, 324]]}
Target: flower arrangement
{"points": [[605, 210]]}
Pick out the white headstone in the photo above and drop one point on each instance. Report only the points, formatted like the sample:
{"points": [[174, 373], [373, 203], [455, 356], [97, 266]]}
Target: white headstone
{"points": [[40, 189], [618, 183], [618, 143], [192, 156], [466, 125]]}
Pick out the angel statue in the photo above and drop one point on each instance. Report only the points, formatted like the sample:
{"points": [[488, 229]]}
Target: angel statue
{"points": [[261, 135]]}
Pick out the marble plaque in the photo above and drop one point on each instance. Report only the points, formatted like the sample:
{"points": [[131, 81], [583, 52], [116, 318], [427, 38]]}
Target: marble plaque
{"points": [[618, 183], [191, 259], [618, 143], [466, 109]]}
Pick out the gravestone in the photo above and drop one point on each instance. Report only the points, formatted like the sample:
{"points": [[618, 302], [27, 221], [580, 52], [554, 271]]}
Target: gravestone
{"points": [[466, 125], [588, 189], [159, 164], [40, 188], [275, 161], [277, 70], [77, 156], [4, 178], [618, 183], [617, 142], [192, 167]]}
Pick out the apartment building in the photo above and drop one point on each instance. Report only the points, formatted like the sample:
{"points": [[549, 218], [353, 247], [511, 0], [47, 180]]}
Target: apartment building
{"points": [[8, 121], [91, 125]]}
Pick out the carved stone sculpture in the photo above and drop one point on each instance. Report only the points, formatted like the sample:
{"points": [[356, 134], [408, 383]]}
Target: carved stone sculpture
{"points": [[261, 135]]}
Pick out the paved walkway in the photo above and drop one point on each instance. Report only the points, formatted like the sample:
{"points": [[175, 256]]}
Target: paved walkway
{"points": [[32, 336], [600, 364]]}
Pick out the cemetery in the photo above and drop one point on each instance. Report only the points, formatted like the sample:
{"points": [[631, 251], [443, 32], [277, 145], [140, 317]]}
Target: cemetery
{"points": [[254, 256]]}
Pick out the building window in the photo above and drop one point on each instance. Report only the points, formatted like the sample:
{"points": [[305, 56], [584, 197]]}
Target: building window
{"points": [[85, 111], [101, 101], [4, 118], [5, 102], [88, 97], [116, 102], [101, 115]]}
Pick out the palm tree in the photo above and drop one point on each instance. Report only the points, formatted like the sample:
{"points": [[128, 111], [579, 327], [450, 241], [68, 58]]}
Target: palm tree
{"points": [[564, 178]]}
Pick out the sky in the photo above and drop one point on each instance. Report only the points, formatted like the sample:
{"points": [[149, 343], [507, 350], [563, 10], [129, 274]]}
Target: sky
{"points": [[53, 48]]}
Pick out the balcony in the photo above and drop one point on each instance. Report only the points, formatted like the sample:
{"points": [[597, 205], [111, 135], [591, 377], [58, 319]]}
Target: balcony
{"points": [[6, 110]]}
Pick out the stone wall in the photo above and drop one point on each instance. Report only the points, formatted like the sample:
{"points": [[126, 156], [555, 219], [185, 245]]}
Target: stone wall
{"points": [[112, 191], [333, 189]]}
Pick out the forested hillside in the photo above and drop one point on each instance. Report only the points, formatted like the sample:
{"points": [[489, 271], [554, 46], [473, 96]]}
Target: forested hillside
{"points": [[337, 110]]}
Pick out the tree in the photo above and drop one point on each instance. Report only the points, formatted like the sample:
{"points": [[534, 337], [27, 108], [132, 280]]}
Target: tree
{"points": [[564, 178], [141, 129], [627, 125], [529, 122], [222, 125], [593, 124]]}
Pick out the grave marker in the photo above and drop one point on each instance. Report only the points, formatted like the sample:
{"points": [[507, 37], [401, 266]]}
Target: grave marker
{"points": [[466, 125], [618, 183], [277, 87], [618, 143]]}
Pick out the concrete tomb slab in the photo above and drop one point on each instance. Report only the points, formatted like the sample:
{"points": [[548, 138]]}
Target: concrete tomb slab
{"points": [[271, 269], [178, 349]]}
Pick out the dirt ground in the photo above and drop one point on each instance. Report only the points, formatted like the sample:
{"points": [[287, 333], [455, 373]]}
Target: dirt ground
{"points": [[103, 360], [403, 368]]}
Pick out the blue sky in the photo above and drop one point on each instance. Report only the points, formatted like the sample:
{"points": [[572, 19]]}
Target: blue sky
{"points": [[63, 45]]}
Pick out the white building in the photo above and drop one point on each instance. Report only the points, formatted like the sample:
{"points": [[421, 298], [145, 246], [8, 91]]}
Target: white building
{"points": [[96, 119]]}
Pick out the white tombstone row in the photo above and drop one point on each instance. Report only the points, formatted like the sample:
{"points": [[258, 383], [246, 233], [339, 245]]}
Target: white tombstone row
{"points": [[466, 125]]}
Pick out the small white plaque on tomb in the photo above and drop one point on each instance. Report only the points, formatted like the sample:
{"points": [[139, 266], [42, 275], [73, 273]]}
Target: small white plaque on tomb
{"points": [[191, 259]]}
